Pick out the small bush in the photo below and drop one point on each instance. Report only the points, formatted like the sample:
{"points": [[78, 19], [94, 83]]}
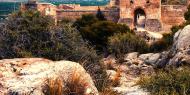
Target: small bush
{"points": [[174, 29], [162, 44], [168, 82], [126, 42]]}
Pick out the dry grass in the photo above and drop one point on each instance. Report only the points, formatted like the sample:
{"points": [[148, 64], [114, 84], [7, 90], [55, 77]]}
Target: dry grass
{"points": [[55, 87], [116, 78], [76, 85], [109, 64], [108, 91]]}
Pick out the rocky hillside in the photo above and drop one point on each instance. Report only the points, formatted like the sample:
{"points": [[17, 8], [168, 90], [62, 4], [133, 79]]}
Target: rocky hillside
{"points": [[135, 65], [37, 76]]}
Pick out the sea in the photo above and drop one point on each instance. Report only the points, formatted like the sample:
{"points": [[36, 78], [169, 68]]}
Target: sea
{"points": [[8, 7]]}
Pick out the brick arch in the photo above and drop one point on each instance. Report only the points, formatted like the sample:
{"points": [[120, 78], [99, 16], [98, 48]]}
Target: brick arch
{"points": [[139, 7], [136, 11]]}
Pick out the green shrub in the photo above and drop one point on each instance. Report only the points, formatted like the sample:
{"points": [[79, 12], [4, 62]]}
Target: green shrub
{"points": [[126, 42], [167, 41], [85, 20], [162, 44], [100, 15], [97, 31], [174, 29], [168, 82], [30, 34]]}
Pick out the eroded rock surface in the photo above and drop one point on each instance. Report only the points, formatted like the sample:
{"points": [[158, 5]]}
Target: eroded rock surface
{"points": [[180, 52], [30, 76]]}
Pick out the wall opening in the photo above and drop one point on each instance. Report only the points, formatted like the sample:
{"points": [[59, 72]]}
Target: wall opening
{"points": [[139, 18]]}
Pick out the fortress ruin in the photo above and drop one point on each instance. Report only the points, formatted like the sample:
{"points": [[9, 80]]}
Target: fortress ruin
{"points": [[151, 15]]}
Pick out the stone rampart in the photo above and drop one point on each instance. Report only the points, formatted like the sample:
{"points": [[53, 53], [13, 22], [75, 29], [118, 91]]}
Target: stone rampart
{"points": [[172, 15]]}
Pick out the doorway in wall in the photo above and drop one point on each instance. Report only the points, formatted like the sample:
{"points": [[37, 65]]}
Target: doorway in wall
{"points": [[139, 18]]}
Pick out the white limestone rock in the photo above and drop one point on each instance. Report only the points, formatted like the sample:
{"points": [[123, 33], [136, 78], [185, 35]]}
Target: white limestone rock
{"points": [[29, 76]]}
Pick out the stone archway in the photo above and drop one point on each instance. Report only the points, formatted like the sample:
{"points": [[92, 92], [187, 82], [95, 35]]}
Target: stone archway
{"points": [[139, 18]]}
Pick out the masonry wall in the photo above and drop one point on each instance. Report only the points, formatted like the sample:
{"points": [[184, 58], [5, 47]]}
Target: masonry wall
{"points": [[152, 10], [47, 9], [172, 15], [74, 14]]}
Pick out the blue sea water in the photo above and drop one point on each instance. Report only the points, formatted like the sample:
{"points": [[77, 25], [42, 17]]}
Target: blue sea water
{"points": [[6, 8], [9, 7]]}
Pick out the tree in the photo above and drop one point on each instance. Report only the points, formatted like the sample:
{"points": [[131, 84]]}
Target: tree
{"points": [[99, 32], [100, 15], [96, 31], [86, 20]]}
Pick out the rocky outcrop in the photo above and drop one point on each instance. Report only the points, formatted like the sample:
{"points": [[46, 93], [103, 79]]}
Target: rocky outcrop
{"points": [[129, 72], [136, 64], [33, 76], [180, 52]]}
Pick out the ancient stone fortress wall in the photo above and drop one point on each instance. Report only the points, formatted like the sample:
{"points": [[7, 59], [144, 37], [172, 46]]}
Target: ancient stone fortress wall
{"points": [[172, 15], [151, 9], [71, 11], [112, 15], [44, 8], [47, 9], [157, 17]]}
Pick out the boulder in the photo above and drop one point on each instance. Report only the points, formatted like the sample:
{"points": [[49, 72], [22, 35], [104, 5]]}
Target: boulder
{"points": [[132, 59], [37, 76], [181, 39], [180, 52], [150, 58], [131, 56]]}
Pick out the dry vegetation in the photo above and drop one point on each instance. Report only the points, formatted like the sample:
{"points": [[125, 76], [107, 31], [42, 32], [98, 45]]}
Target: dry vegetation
{"points": [[55, 87], [168, 82], [116, 78], [75, 86]]}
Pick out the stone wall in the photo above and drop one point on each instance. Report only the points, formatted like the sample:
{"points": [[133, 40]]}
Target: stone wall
{"points": [[153, 25], [172, 15], [47, 9], [74, 14], [158, 17], [128, 8]]}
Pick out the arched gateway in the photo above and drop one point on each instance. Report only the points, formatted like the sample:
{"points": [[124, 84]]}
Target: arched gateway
{"points": [[139, 18], [141, 13]]}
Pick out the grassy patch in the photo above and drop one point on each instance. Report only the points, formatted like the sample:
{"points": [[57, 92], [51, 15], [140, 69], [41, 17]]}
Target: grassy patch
{"points": [[168, 82]]}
